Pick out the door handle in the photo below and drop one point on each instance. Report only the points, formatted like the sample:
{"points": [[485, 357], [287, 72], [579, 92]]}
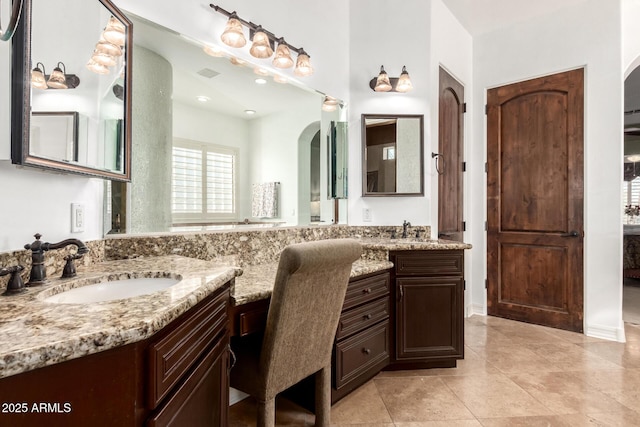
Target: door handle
{"points": [[572, 233]]}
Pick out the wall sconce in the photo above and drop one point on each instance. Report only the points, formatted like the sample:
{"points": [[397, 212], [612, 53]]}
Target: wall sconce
{"points": [[384, 83], [109, 47], [263, 42], [59, 79]]}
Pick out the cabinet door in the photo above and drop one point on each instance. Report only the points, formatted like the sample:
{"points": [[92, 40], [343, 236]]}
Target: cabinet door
{"points": [[203, 399], [429, 315]]}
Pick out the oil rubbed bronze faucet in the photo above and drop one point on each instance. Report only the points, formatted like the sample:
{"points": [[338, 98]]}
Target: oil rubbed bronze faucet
{"points": [[405, 225], [38, 273]]}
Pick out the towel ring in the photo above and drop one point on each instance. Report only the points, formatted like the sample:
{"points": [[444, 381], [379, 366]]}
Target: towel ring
{"points": [[16, 8]]}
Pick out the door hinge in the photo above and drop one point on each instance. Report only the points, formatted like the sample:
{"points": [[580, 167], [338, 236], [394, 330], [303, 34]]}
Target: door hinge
{"points": [[464, 285], [464, 166], [486, 109], [464, 107], [486, 226], [486, 283], [486, 167], [464, 225]]}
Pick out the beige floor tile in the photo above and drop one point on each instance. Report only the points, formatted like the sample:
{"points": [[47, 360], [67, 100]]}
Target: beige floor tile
{"points": [[420, 399], [627, 418], [622, 385], [472, 364], [365, 425], [574, 420], [514, 358], [364, 405], [632, 332], [566, 393], [626, 355], [488, 396], [482, 335], [566, 356], [449, 423]]}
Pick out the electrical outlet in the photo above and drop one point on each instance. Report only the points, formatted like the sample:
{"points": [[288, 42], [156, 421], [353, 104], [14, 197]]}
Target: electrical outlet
{"points": [[77, 217], [366, 214]]}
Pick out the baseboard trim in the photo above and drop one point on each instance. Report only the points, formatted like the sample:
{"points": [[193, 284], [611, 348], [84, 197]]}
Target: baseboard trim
{"points": [[605, 333]]}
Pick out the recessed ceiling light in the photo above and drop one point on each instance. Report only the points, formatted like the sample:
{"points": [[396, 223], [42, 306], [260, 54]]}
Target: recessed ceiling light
{"points": [[202, 98], [260, 81], [250, 112]]}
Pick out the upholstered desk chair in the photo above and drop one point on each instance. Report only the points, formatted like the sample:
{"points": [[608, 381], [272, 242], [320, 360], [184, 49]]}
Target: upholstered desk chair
{"points": [[305, 307]]}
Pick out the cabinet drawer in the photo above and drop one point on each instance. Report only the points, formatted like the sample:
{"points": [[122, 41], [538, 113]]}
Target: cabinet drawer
{"points": [[429, 263], [360, 318], [365, 290], [172, 356], [363, 352]]}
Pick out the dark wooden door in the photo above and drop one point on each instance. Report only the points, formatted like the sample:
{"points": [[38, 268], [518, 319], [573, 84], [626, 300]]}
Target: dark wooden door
{"points": [[535, 200], [450, 162]]}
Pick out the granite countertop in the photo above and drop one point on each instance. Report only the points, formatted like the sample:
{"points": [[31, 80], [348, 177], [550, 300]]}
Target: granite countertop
{"points": [[411, 244], [35, 333], [256, 281]]}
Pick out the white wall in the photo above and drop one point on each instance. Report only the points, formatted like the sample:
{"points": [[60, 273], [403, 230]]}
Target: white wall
{"points": [[630, 35], [586, 35], [375, 39]]}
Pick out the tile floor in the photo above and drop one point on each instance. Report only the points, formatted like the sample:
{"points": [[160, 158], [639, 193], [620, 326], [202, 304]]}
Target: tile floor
{"points": [[513, 374]]}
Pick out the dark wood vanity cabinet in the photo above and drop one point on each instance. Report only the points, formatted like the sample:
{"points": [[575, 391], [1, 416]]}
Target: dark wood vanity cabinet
{"points": [[429, 304], [177, 377], [362, 345]]}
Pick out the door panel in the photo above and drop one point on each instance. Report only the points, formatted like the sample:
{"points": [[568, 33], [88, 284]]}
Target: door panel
{"points": [[450, 148], [535, 200]]}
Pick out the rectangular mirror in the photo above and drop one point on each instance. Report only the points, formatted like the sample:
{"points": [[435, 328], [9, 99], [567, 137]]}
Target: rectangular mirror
{"points": [[71, 88], [392, 155]]}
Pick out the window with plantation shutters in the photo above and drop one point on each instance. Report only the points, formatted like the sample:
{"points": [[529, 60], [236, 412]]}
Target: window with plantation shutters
{"points": [[203, 182]]}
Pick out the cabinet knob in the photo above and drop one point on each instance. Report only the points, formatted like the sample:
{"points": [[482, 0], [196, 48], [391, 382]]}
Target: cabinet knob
{"points": [[366, 351], [366, 291], [367, 316]]}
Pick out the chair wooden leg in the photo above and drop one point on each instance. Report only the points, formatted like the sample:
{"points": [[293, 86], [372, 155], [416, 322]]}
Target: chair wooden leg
{"points": [[267, 413], [323, 397]]}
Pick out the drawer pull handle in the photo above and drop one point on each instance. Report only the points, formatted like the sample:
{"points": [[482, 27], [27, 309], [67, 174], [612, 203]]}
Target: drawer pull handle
{"points": [[366, 291], [366, 351], [367, 316]]}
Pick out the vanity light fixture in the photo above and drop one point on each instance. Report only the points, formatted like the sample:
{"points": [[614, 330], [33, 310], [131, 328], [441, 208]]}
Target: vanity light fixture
{"points": [[103, 58], [237, 61], [280, 79], [214, 51], [38, 79], [108, 48], [261, 71], [97, 68], [58, 79], [263, 43], [384, 83]]}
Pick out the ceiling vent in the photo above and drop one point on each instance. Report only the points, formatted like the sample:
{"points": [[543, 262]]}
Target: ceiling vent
{"points": [[208, 73]]}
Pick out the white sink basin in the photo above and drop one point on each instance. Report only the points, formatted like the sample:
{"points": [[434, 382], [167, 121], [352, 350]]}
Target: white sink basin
{"points": [[114, 290]]}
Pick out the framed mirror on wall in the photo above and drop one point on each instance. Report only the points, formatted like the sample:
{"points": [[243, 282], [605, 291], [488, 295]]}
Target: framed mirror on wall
{"points": [[392, 155], [71, 84]]}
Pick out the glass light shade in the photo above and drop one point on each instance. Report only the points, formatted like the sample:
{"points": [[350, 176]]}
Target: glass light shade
{"points": [[404, 82], [233, 35], [97, 68], [329, 104], [237, 61], [115, 32], [108, 48], [283, 57], [37, 78], [103, 58], [57, 79], [213, 51], [261, 71], [383, 84], [261, 47], [303, 65]]}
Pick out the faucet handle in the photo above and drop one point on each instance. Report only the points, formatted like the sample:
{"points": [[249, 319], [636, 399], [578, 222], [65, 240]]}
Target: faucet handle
{"points": [[36, 245], [69, 269], [15, 284]]}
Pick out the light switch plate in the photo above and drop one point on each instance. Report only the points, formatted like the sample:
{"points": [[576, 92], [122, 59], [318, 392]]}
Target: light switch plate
{"points": [[77, 217], [366, 214]]}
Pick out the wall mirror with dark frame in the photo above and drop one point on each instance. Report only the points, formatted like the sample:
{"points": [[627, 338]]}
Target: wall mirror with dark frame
{"points": [[392, 155], [71, 74]]}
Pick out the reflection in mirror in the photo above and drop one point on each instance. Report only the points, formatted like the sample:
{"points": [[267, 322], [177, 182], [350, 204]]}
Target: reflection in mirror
{"points": [[70, 99], [217, 142], [392, 148]]}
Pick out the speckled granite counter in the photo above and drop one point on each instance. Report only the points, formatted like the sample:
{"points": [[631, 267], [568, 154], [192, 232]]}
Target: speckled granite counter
{"points": [[256, 281], [35, 333], [411, 244]]}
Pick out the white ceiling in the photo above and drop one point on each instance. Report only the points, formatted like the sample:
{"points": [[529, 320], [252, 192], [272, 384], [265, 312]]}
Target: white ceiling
{"points": [[483, 16]]}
